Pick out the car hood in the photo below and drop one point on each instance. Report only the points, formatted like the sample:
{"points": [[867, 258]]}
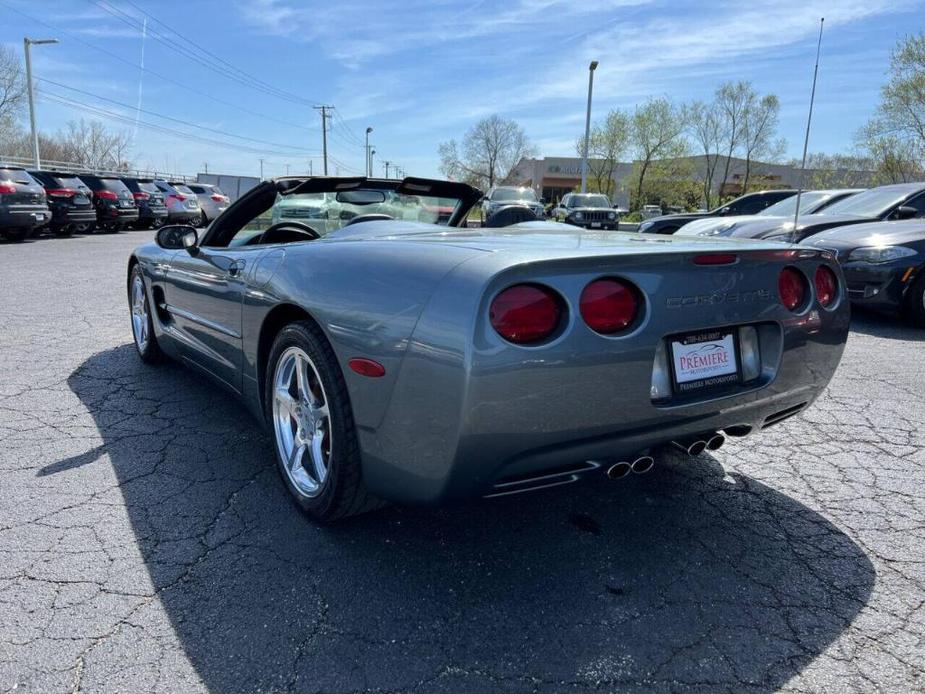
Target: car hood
{"points": [[681, 217], [706, 225], [779, 226], [873, 234], [525, 203]]}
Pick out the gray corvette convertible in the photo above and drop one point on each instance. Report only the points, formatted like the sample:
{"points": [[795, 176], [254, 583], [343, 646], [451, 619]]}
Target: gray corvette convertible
{"points": [[397, 357]]}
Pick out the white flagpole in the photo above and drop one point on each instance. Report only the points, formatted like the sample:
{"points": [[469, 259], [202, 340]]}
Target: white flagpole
{"points": [[809, 120]]}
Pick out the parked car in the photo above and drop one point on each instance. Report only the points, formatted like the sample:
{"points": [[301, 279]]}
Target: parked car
{"points": [[651, 211], [504, 196], [589, 210], [811, 202], [152, 210], [751, 203], [115, 206], [212, 201], [384, 360], [182, 203], [71, 208], [884, 265], [893, 202], [23, 205]]}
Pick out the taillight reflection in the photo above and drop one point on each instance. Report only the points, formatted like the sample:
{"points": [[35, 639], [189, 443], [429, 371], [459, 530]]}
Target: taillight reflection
{"points": [[609, 305], [791, 286], [826, 285], [525, 313]]}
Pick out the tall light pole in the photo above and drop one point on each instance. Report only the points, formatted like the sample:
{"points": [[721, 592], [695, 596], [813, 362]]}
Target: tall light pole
{"points": [[584, 155], [386, 164], [369, 171], [27, 45], [372, 153]]}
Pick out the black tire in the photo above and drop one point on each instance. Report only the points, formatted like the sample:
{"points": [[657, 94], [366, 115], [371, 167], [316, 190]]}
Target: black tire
{"points": [[914, 308], [157, 223], [64, 230], [342, 493], [203, 220], [150, 352], [17, 234]]}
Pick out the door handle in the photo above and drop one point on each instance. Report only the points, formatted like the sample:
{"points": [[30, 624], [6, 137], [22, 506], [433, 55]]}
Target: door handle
{"points": [[236, 268]]}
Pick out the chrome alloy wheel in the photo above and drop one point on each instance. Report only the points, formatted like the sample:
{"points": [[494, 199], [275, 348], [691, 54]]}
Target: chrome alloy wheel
{"points": [[139, 313], [301, 421]]}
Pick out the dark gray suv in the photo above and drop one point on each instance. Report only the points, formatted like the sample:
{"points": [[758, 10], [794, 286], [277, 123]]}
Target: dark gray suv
{"points": [[22, 204]]}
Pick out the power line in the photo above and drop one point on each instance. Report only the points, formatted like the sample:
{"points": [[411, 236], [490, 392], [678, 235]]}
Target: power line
{"points": [[118, 117], [195, 90], [301, 150]]}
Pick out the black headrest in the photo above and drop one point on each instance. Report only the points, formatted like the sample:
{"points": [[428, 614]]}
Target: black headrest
{"points": [[512, 214]]}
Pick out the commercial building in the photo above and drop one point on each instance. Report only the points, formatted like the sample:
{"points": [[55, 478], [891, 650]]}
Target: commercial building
{"points": [[553, 177]]}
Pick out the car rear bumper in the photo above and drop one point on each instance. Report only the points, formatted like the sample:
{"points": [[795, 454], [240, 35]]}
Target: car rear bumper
{"points": [[117, 215], [184, 217], [64, 216], [148, 213], [462, 420], [24, 216]]}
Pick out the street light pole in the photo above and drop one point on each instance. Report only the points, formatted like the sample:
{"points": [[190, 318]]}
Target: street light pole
{"points": [[369, 171], [27, 46], [584, 155], [372, 154]]}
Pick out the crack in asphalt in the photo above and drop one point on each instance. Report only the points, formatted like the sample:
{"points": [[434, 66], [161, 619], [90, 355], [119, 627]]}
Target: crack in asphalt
{"points": [[147, 543]]}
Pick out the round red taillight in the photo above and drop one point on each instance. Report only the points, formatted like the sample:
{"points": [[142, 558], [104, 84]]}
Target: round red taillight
{"points": [[826, 285], [525, 313], [609, 305], [791, 285]]}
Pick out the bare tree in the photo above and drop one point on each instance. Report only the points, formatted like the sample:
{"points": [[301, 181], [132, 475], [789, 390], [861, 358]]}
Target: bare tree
{"points": [[12, 85], [607, 143], [759, 127], [91, 144], [838, 170], [490, 150], [657, 130], [732, 100], [706, 127]]}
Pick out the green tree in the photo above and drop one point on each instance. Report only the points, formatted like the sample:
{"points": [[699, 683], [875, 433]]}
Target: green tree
{"points": [[657, 133], [607, 143]]}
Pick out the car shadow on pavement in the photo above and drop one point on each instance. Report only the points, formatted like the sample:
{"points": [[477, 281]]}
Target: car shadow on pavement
{"points": [[686, 576], [883, 325]]}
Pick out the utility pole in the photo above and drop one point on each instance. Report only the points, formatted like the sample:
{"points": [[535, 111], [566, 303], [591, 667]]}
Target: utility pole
{"points": [[261, 169], [205, 165], [310, 162], [27, 45], [369, 170], [584, 156], [287, 169], [324, 133], [372, 153], [386, 164]]}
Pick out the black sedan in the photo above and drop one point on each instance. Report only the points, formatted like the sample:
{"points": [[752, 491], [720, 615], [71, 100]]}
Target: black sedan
{"points": [[884, 265], [752, 203], [886, 203], [587, 210]]}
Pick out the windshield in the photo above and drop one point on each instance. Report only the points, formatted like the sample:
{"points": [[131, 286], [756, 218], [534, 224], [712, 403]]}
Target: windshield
{"points": [[325, 213], [502, 194], [588, 201], [870, 203], [787, 207]]}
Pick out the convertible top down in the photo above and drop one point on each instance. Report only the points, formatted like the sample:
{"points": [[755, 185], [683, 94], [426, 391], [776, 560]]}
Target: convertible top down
{"points": [[396, 356]]}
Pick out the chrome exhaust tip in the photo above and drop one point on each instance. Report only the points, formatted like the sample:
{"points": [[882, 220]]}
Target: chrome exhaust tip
{"points": [[643, 464], [692, 447], [619, 470], [715, 442]]}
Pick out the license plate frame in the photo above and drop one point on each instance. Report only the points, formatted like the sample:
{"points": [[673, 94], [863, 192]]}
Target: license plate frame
{"points": [[722, 378]]}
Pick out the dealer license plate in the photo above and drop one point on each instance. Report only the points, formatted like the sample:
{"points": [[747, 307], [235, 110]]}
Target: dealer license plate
{"points": [[704, 360], [595, 225]]}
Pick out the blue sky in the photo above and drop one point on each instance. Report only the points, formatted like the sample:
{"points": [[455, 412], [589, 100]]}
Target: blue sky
{"points": [[420, 72]]}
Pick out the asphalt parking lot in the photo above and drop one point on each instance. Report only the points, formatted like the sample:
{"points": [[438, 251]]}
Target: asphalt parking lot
{"points": [[147, 543]]}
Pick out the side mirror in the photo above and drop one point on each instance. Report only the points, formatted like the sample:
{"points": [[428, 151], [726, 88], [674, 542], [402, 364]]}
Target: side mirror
{"points": [[176, 237], [904, 212], [723, 211]]}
